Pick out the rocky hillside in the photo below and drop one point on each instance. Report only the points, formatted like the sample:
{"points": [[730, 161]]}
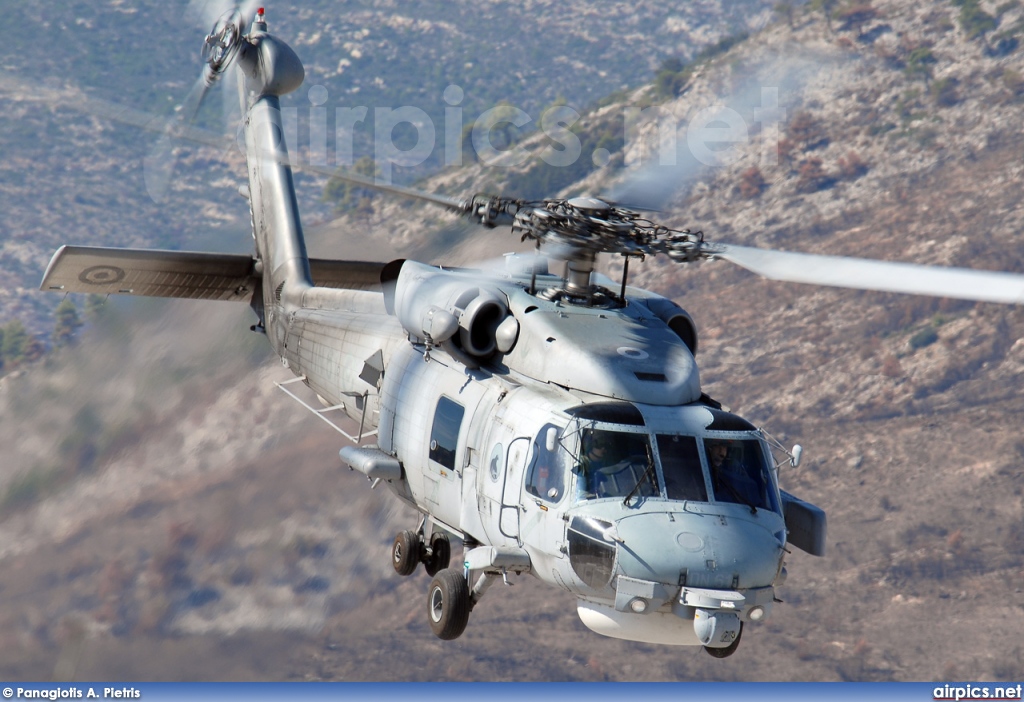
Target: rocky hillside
{"points": [[169, 515], [70, 175]]}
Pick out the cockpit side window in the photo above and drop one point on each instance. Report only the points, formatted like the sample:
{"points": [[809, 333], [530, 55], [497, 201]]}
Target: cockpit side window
{"points": [[613, 463], [680, 463], [739, 473], [444, 434], [545, 477]]}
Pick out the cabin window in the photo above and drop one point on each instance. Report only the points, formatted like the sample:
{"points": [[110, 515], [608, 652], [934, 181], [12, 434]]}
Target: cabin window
{"points": [[545, 477], [444, 435], [680, 464], [739, 473], [616, 464]]}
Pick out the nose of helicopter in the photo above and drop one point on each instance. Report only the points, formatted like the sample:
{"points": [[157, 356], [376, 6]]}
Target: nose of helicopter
{"points": [[729, 548]]}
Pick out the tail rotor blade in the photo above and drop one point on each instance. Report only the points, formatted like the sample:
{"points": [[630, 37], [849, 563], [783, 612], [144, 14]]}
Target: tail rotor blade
{"points": [[158, 166], [229, 21], [206, 12], [885, 276]]}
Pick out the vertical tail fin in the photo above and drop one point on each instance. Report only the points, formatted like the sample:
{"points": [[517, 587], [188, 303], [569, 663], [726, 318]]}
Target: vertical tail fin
{"points": [[270, 69]]}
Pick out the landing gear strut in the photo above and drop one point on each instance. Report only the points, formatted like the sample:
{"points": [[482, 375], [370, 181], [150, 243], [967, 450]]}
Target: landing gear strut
{"points": [[409, 550], [450, 598], [439, 555]]}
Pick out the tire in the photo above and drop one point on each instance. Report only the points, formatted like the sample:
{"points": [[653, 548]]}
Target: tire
{"points": [[448, 604], [405, 552], [440, 554], [728, 650]]}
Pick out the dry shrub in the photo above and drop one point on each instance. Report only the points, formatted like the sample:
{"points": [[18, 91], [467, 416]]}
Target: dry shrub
{"points": [[807, 131], [891, 367], [812, 176], [113, 579], [752, 183], [955, 541], [852, 166], [182, 534], [786, 148]]}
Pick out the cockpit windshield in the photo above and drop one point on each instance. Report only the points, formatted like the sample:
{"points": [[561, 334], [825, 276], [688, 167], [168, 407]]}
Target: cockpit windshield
{"points": [[680, 464], [739, 473], [624, 464], [616, 464]]}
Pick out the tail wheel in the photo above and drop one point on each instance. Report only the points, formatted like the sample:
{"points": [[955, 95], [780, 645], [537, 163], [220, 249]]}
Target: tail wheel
{"points": [[448, 604], [440, 554], [728, 650], [405, 552]]}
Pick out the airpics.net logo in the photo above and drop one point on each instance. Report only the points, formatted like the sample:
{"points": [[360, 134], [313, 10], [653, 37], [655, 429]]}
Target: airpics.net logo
{"points": [[968, 692], [406, 136]]}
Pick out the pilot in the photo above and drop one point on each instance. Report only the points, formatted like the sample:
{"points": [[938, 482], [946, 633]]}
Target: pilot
{"points": [[718, 452], [595, 458], [729, 478]]}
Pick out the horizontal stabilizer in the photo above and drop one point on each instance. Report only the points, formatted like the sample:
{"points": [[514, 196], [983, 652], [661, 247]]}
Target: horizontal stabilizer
{"points": [[184, 274], [151, 273], [346, 275]]}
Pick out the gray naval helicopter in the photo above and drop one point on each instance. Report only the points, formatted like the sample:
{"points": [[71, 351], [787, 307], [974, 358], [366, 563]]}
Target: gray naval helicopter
{"points": [[555, 424]]}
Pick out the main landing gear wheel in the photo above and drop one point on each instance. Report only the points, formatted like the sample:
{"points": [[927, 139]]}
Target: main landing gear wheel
{"points": [[728, 650], [448, 604], [440, 554], [405, 552]]}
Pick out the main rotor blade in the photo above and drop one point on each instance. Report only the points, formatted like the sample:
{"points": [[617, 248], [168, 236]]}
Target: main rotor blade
{"points": [[369, 182], [206, 12], [114, 112], [885, 276]]}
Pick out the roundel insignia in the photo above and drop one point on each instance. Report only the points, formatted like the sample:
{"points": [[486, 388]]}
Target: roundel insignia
{"points": [[102, 275], [630, 352]]}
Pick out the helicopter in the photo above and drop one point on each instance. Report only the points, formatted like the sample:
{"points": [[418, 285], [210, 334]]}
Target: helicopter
{"points": [[554, 424]]}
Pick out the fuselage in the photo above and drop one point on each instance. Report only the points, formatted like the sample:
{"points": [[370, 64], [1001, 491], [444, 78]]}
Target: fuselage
{"points": [[499, 457], [554, 425]]}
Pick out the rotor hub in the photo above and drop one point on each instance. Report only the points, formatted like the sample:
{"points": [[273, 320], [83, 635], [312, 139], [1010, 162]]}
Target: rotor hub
{"points": [[578, 229], [223, 41]]}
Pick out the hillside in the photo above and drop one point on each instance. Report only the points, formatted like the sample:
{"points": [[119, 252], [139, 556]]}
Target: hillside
{"points": [[71, 176], [176, 517]]}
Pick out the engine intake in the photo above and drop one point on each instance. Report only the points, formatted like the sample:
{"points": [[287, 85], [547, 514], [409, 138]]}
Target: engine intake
{"points": [[677, 319], [453, 311]]}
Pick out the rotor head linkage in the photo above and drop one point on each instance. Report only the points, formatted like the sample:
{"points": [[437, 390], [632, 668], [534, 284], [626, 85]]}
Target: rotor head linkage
{"points": [[222, 44], [579, 229]]}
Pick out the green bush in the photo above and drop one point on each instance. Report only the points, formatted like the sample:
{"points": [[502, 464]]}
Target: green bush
{"points": [[27, 488], [347, 196], [673, 74], [944, 92], [671, 78], [919, 63], [67, 323], [973, 20], [925, 337]]}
